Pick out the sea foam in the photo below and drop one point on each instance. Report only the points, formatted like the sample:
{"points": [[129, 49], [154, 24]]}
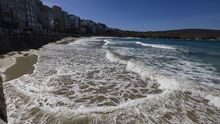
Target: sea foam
{"points": [[84, 81], [156, 46]]}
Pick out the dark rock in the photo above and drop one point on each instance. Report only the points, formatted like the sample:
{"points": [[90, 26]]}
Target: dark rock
{"points": [[3, 114]]}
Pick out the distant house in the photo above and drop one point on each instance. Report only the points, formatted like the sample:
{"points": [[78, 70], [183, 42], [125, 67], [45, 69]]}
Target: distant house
{"points": [[89, 25], [83, 30], [73, 23], [18, 14], [32, 15], [45, 17], [59, 22], [101, 28], [7, 10]]}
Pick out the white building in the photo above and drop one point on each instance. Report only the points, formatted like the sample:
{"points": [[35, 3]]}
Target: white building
{"points": [[31, 14], [73, 23]]}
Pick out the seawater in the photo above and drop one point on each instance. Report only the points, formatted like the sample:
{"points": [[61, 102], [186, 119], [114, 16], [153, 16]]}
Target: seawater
{"points": [[119, 81]]}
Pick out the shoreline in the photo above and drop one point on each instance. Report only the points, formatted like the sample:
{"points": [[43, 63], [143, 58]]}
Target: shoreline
{"points": [[24, 65], [8, 60], [8, 63], [18, 63]]}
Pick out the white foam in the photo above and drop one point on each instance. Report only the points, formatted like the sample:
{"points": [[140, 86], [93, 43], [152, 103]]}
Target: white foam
{"points": [[156, 46], [145, 71], [109, 42], [132, 38], [68, 80], [85, 41], [214, 100], [114, 58], [106, 109], [117, 42]]}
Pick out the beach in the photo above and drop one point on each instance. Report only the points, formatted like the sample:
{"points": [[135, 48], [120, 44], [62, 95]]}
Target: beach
{"points": [[108, 79], [16, 64], [114, 80]]}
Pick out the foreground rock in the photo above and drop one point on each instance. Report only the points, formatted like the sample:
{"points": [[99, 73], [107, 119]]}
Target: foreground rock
{"points": [[3, 115]]}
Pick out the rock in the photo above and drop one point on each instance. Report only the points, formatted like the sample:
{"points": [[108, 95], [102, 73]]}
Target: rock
{"points": [[3, 115]]}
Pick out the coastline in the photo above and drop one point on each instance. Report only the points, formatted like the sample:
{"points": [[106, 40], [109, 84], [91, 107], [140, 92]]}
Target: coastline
{"points": [[9, 64], [12, 60], [136, 67], [8, 60], [16, 64]]}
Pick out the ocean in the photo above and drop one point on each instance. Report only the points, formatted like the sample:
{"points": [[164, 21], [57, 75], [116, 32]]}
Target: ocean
{"points": [[109, 80]]}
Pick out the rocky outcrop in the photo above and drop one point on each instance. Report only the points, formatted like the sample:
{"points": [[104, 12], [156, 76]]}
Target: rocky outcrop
{"points": [[3, 115]]}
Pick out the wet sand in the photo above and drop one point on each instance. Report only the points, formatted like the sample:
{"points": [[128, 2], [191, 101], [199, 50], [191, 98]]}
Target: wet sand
{"points": [[17, 63], [12, 66], [23, 65]]}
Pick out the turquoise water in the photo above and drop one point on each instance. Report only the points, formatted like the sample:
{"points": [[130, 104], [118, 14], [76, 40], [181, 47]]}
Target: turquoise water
{"points": [[205, 53], [119, 81]]}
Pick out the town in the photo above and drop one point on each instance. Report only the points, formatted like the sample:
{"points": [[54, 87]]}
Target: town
{"points": [[34, 16]]}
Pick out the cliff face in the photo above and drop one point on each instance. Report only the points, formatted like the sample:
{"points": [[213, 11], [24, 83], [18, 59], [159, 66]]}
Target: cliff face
{"points": [[3, 114]]}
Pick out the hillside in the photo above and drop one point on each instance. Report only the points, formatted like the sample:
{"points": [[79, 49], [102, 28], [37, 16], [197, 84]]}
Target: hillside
{"points": [[187, 34], [173, 34]]}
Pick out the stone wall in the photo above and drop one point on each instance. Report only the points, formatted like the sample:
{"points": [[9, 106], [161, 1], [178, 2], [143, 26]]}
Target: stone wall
{"points": [[22, 41]]}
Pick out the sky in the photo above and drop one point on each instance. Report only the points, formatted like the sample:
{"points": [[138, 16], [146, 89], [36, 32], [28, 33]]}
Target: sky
{"points": [[146, 15]]}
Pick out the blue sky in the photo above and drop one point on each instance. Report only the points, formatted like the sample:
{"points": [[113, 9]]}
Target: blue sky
{"points": [[146, 15]]}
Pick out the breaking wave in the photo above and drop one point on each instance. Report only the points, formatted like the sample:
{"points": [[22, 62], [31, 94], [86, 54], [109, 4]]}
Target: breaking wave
{"points": [[156, 46], [85, 83]]}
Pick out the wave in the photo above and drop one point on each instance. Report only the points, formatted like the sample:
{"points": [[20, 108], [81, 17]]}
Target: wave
{"points": [[172, 82], [146, 71], [76, 82], [113, 57], [117, 58], [109, 42], [117, 42], [166, 82], [156, 46]]}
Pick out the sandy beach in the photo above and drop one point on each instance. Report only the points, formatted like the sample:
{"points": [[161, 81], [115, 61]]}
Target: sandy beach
{"points": [[24, 65], [16, 64], [13, 65]]}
